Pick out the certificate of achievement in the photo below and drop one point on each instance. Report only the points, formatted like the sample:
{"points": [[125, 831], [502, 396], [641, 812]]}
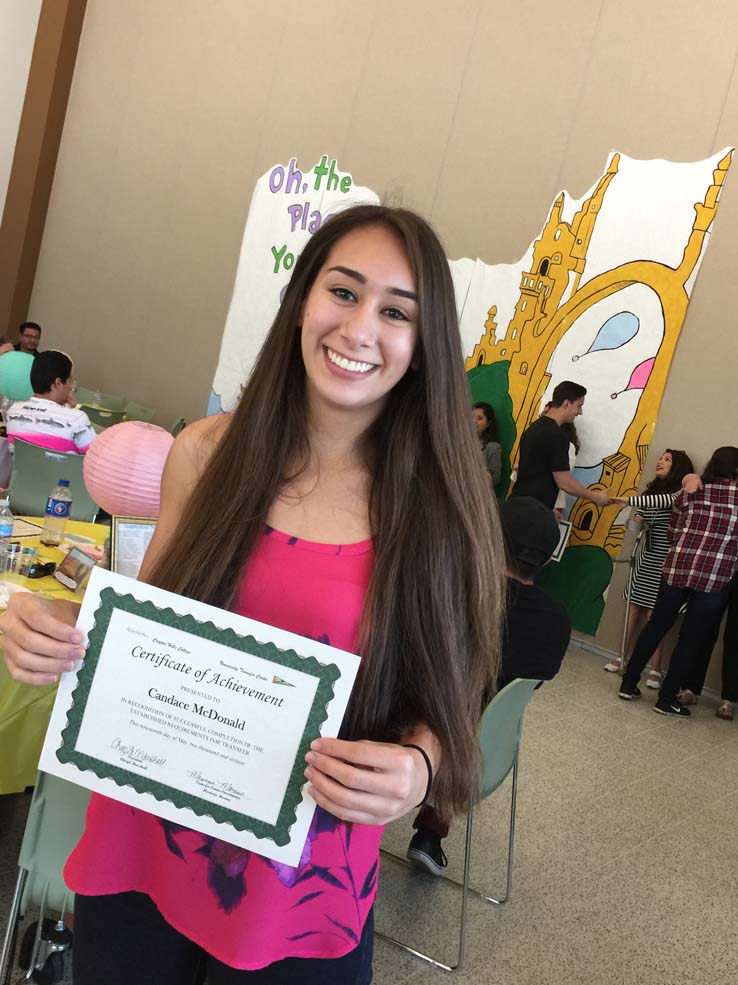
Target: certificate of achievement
{"points": [[196, 714]]}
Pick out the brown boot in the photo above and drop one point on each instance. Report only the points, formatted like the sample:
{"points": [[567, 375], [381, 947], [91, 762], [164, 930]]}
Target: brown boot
{"points": [[725, 710]]}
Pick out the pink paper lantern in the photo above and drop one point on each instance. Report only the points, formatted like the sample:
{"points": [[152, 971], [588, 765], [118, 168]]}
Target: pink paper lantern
{"points": [[123, 467]]}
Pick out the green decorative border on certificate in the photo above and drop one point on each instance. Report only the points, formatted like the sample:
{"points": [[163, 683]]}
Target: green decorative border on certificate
{"points": [[327, 675]]}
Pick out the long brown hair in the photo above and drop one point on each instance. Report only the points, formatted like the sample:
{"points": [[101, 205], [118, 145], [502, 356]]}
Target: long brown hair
{"points": [[430, 627]]}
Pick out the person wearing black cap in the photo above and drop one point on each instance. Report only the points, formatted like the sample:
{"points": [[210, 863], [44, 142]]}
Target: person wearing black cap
{"points": [[534, 640], [537, 629]]}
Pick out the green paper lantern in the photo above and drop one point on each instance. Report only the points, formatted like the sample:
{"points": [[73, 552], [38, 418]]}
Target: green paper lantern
{"points": [[15, 375]]}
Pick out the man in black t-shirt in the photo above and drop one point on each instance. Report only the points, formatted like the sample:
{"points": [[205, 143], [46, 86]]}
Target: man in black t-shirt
{"points": [[544, 466], [534, 638]]}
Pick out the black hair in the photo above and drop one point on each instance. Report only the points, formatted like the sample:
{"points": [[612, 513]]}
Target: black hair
{"points": [[567, 390], [47, 367], [490, 432], [722, 465], [29, 324]]}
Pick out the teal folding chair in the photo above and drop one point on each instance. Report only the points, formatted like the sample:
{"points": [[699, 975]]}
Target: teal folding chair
{"points": [[55, 823], [102, 419], [36, 470], [178, 425], [83, 395], [109, 401], [500, 731], [139, 412]]}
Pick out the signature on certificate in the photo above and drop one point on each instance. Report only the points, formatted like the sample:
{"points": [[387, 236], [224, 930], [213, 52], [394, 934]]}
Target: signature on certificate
{"points": [[136, 754], [216, 786]]}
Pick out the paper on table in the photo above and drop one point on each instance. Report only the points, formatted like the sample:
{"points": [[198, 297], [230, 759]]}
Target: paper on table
{"points": [[22, 528], [197, 715]]}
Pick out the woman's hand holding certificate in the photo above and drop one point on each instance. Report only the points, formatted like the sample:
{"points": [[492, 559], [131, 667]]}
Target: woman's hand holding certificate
{"points": [[365, 782], [40, 639]]}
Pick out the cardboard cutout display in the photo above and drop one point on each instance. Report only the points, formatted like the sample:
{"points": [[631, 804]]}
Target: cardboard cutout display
{"points": [[599, 298]]}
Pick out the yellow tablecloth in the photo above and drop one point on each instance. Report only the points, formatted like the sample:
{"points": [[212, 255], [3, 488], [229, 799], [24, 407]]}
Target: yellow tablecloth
{"points": [[25, 710]]}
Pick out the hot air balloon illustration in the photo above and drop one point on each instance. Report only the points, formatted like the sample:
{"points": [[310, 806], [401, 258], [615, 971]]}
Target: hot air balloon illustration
{"points": [[615, 332], [638, 378]]}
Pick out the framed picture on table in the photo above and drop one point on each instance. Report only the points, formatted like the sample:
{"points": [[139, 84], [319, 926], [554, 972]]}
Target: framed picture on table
{"points": [[129, 539]]}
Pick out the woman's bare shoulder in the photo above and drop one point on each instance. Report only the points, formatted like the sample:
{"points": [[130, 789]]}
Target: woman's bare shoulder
{"points": [[195, 444], [206, 433]]}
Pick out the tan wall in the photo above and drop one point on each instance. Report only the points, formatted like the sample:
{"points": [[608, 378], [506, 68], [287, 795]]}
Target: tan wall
{"points": [[476, 113]]}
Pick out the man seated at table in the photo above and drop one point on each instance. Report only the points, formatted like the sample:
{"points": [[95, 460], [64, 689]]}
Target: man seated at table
{"points": [[44, 419], [535, 637], [29, 336]]}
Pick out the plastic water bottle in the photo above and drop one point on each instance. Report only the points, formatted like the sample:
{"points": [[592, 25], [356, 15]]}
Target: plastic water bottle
{"points": [[58, 506], [6, 520], [6, 532]]}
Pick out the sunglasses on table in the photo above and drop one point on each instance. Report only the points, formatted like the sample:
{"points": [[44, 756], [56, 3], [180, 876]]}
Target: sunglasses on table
{"points": [[41, 569]]}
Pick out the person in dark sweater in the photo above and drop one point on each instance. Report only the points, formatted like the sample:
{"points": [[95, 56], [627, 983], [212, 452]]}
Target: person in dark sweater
{"points": [[485, 423], [534, 640]]}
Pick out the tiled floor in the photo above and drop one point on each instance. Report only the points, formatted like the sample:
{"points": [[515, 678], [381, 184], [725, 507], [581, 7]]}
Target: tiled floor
{"points": [[626, 856]]}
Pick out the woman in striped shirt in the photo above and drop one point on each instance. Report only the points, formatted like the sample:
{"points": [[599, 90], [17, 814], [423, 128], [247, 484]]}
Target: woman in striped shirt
{"points": [[654, 508]]}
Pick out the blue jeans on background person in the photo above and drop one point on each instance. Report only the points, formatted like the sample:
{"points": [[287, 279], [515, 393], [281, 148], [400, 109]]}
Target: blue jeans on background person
{"points": [[704, 612]]}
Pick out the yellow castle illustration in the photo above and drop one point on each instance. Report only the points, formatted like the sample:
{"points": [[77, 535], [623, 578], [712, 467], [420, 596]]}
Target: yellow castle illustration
{"points": [[550, 302]]}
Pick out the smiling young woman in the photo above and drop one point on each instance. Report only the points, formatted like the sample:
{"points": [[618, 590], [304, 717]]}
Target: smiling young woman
{"points": [[359, 323], [345, 499]]}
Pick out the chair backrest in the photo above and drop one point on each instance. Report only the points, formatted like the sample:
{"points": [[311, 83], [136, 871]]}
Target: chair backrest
{"points": [[500, 731], [56, 820], [139, 412], [83, 395], [36, 470], [178, 425], [111, 402], [104, 418]]}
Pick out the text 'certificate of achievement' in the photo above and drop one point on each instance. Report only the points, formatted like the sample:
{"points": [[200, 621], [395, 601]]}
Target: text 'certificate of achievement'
{"points": [[196, 714]]}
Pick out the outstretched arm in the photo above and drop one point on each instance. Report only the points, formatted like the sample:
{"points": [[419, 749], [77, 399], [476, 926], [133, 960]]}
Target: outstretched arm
{"points": [[567, 482], [654, 501], [39, 636]]}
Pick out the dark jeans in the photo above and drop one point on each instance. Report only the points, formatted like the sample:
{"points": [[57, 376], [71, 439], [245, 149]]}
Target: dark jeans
{"points": [[695, 679], [704, 612], [122, 939]]}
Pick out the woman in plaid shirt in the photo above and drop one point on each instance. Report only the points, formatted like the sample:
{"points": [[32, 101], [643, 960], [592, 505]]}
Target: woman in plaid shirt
{"points": [[699, 567]]}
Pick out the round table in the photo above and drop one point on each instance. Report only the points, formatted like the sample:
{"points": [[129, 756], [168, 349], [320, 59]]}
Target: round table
{"points": [[25, 709]]}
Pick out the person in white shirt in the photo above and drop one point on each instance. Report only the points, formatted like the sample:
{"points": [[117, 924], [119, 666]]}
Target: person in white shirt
{"points": [[44, 419]]}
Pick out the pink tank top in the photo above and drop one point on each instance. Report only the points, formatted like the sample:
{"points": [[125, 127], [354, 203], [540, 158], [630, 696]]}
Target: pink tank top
{"points": [[244, 909]]}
